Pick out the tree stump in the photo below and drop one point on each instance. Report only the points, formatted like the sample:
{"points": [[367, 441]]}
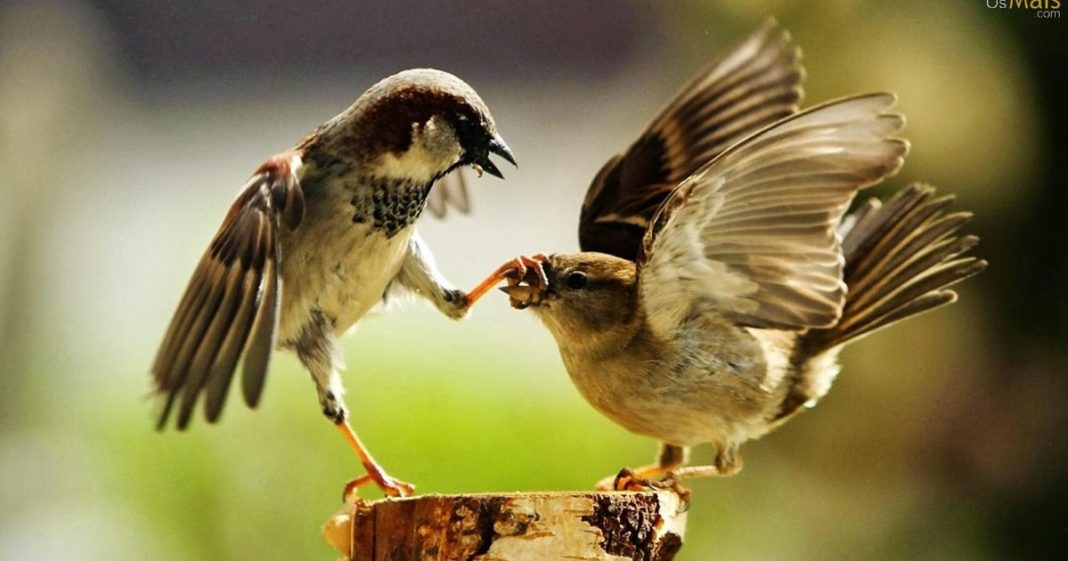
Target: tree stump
{"points": [[616, 526]]}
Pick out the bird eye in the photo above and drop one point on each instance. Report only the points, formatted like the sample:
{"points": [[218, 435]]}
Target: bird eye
{"points": [[577, 280]]}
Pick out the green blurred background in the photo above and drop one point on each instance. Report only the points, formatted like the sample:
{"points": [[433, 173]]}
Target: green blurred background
{"points": [[127, 127]]}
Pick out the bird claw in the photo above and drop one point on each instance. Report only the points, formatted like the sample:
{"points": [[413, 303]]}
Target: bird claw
{"points": [[395, 487], [630, 480], [625, 480], [512, 271], [529, 270], [388, 485], [352, 488]]}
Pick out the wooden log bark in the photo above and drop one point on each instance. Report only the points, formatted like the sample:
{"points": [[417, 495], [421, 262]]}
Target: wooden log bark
{"points": [[614, 526]]}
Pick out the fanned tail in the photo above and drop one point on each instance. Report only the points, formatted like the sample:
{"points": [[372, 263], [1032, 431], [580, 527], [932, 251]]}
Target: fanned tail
{"points": [[901, 258]]}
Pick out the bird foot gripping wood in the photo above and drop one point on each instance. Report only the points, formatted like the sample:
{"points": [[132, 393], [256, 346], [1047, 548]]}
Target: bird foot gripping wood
{"points": [[612, 526], [375, 474], [390, 486], [649, 478]]}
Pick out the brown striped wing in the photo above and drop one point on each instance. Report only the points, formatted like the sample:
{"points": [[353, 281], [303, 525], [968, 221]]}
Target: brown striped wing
{"points": [[230, 309], [755, 84], [753, 232]]}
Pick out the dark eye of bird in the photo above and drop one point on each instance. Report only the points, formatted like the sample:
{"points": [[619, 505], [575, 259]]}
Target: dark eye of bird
{"points": [[466, 128], [577, 280]]}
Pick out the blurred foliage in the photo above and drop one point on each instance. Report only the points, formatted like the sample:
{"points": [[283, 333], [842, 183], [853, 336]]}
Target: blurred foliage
{"points": [[122, 137]]}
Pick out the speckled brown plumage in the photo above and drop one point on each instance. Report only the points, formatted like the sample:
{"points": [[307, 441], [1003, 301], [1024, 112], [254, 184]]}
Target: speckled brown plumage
{"points": [[720, 289]]}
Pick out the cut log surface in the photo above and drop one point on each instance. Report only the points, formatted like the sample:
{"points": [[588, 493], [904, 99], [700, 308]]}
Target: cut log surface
{"points": [[616, 526]]}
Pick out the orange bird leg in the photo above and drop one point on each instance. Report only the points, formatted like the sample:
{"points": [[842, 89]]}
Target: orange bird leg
{"points": [[390, 486], [514, 266], [669, 463], [634, 479]]}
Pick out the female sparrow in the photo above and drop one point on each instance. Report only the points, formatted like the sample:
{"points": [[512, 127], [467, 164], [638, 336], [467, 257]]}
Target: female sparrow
{"points": [[718, 282]]}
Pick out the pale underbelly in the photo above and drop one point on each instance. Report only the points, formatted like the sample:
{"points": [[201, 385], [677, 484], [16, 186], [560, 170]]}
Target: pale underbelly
{"points": [[341, 275], [684, 409], [652, 414]]}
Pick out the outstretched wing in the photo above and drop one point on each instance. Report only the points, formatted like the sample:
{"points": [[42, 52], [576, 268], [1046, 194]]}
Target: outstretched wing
{"points": [[755, 84], [753, 232], [230, 308]]}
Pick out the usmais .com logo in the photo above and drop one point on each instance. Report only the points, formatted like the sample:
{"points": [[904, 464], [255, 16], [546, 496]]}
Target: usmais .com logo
{"points": [[1043, 9]]}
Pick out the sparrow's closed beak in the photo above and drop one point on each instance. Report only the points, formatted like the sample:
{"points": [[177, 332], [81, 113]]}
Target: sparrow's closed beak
{"points": [[496, 146]]}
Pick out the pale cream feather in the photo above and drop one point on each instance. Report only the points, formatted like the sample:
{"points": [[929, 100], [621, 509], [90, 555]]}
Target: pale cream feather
{"points": [[754, 229]]}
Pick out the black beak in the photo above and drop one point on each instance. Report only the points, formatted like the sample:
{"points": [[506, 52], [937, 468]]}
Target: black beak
{"points": [[496, 146]]}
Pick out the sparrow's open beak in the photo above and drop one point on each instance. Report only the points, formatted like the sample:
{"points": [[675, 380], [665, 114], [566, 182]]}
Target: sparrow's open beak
{"points": [[527, 291], [521, 296], [496, 146]]}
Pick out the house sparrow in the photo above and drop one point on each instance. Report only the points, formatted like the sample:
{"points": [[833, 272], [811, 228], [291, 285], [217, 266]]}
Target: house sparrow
{"points": [[717, 285], [753, 85], [316, 238]]}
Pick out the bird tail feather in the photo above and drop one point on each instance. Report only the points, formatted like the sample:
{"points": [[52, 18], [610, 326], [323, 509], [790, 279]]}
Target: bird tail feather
{"points": [[901, 257]]}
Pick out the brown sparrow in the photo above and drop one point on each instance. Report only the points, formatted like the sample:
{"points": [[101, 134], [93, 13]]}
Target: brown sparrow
{"points": [[718, 280], [316, 238]]}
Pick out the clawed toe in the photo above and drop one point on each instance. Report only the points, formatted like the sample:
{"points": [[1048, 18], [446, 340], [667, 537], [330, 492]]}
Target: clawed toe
{"points": [[352, 488], [388, 485], [395, 487], [630, 480], [625, 480], [527, 280]]}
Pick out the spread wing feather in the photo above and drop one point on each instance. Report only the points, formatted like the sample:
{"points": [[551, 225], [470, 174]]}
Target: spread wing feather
{"points": [[753, 231], [755, 84], [230, 308]]}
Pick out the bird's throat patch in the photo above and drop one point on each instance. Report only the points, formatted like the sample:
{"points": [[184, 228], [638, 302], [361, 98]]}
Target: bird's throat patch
{"points": [[389, 204]]}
